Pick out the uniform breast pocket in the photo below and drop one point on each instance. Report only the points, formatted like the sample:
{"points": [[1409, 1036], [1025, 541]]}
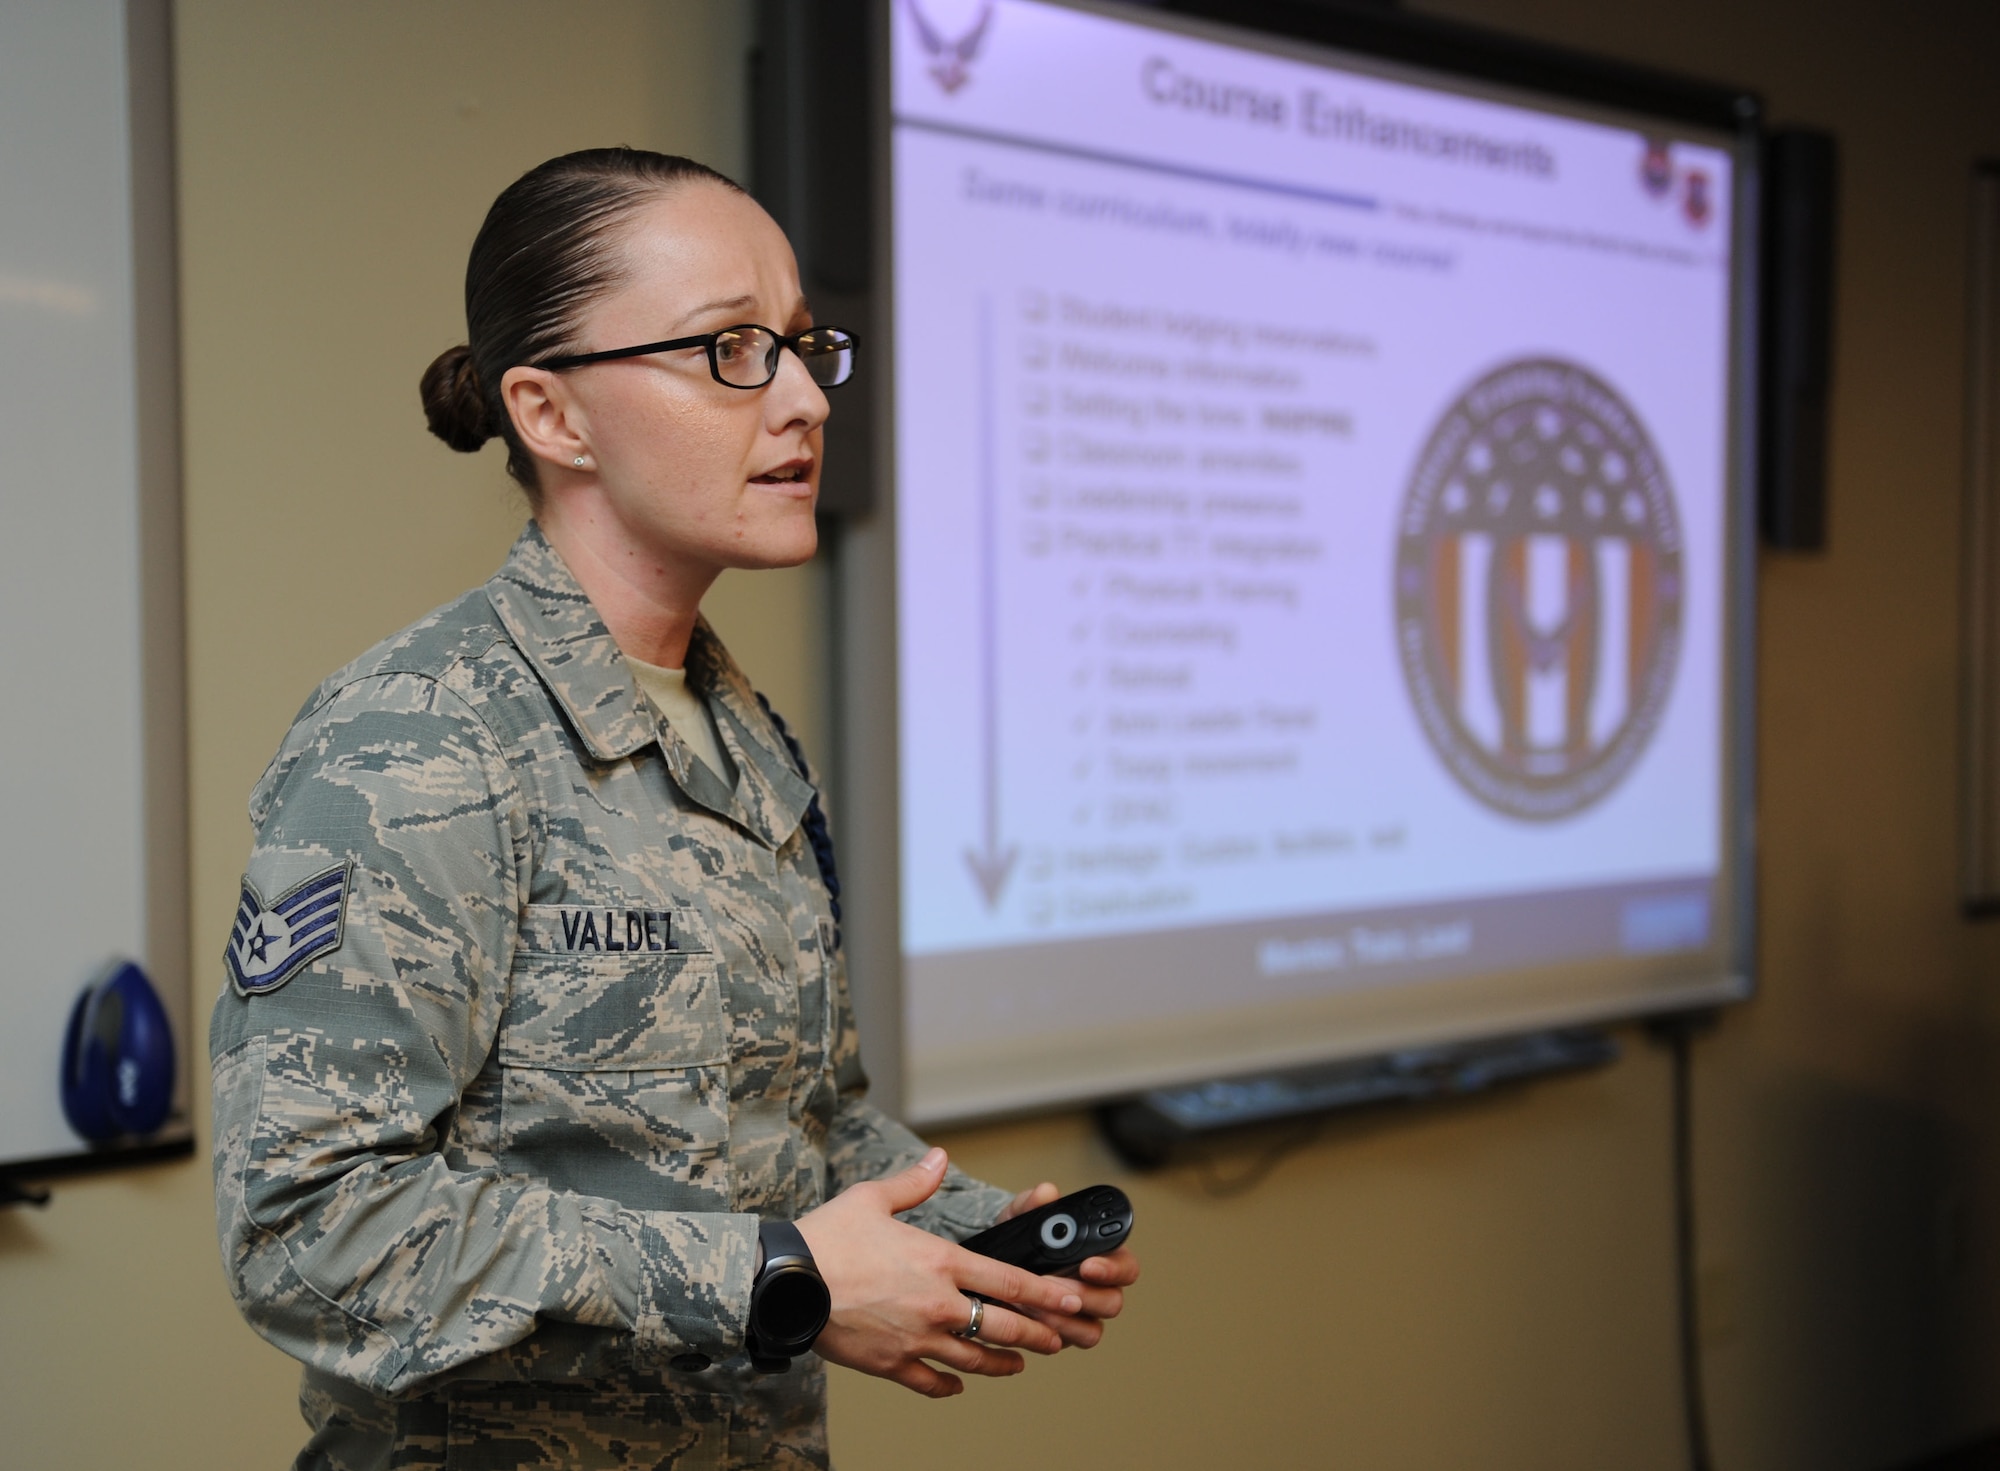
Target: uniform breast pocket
{"points": [[509, 1427], [615, 1060]]}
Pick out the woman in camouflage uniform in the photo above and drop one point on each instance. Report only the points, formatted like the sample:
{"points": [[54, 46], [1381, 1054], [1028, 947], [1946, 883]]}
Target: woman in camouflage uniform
{"points": [[536, 1007]]}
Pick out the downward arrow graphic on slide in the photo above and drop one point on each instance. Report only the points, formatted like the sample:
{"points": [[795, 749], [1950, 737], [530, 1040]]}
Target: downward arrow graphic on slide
{"points": [[991, 864]]}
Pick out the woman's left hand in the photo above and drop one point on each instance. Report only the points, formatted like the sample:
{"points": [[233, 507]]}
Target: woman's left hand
{"points": [[1100, 1280]]}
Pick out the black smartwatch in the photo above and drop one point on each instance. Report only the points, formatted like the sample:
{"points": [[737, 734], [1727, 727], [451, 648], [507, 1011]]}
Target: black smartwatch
{"points": [[789, 1302]]}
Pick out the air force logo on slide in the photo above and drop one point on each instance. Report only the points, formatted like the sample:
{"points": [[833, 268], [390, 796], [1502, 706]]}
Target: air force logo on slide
{"points": [[951, 56], [274, 942], [1539, 588]]}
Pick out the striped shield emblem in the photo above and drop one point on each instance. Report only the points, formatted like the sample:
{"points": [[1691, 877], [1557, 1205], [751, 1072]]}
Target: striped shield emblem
{"points": [[1539, 588]]}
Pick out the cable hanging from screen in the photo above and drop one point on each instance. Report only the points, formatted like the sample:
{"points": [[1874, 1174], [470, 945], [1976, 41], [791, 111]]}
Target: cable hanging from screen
{"points": [[1677, 1034], [1219, 1186]]}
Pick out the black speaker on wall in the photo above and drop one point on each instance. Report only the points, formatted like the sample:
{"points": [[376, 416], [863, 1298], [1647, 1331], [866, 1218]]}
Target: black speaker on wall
{"points": [[812, 166], [1801, 200]]}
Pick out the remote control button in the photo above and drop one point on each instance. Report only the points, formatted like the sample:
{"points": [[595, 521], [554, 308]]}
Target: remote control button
{"points": [[1058, 1231], [1111, 1228]]}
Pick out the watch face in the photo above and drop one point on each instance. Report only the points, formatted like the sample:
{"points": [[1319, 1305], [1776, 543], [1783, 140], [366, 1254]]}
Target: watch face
{"points": [[791, 1307]]}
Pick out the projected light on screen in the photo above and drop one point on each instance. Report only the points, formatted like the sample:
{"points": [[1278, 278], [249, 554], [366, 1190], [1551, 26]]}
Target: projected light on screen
{"points": [[1313, 532]]}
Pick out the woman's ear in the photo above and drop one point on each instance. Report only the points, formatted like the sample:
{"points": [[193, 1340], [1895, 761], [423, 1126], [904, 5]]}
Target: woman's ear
{"points": [[547, 418]]}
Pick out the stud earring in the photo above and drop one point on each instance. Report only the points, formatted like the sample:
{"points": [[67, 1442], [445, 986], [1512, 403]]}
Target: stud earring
{"points": [[578, 462]]}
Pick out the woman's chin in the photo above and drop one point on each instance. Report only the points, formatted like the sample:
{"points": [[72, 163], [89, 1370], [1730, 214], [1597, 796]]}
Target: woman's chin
{"points": [[783, 543]]}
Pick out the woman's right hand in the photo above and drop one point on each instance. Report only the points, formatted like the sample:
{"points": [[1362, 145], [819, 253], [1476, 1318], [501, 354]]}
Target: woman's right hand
{"points": [[899, 1293]]}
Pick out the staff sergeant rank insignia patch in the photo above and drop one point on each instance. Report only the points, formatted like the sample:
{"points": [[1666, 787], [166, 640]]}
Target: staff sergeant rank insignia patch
{"points": [[274, 942]]}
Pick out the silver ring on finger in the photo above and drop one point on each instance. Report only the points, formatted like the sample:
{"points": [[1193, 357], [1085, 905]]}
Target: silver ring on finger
{"points": [[971, 1329]]}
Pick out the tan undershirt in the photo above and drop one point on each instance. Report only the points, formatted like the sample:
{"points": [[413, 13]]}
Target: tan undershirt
{"points": [[687, 713]]}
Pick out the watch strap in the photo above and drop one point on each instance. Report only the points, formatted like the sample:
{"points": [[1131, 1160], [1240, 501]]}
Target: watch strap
{"points": [[781, 1239]]}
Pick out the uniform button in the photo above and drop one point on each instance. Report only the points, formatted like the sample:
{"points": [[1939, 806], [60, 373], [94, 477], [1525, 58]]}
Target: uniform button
{"points": [[689, 1363]]}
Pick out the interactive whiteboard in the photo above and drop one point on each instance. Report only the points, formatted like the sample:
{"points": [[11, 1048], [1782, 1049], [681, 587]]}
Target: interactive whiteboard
{"points": [[1320, 546], [92, 751]]}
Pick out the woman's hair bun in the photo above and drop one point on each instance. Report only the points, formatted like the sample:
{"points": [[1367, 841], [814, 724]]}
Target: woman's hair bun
{"points": [[454, 406]]}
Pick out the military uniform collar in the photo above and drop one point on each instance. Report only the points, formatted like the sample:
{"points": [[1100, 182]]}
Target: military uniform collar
{"points": [[770, 791], [558, 631], [556, 627]]}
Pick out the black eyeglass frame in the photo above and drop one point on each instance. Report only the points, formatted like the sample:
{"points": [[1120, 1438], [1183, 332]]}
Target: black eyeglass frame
{"points": [[708, 340]]}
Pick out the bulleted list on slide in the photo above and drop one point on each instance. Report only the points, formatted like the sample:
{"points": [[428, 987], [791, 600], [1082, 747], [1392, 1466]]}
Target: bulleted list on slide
{"points": [[1288, 525], [1159, 538]]}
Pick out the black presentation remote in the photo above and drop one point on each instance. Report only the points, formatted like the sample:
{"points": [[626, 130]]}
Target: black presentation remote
{"points": [[1056, 1236]]}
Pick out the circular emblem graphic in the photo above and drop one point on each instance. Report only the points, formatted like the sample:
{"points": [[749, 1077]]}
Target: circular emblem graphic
{"points": [[1539, 588]]}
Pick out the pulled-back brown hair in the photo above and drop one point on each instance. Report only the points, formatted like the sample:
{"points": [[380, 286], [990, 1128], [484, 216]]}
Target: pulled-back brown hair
{"points": [[543, 254]]}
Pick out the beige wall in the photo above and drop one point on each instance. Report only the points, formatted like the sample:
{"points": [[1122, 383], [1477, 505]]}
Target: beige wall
{"points": [[1484, 1285]]}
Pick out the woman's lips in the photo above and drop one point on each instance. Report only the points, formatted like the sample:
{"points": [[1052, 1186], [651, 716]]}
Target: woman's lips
{"points": [[792, 472]]}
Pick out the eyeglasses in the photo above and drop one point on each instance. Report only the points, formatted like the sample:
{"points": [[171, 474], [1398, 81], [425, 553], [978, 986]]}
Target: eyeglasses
{"points": [[746, 355]]}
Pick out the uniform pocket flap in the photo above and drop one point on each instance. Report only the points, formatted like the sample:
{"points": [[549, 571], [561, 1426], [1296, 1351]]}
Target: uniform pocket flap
{"points": [[588, 1011]]}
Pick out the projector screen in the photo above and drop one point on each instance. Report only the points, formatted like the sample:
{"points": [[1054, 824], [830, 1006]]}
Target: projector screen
{"points": [[1319, 555]]}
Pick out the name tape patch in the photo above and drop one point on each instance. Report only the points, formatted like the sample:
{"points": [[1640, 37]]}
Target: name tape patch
{"points": [[273, 942], [562, 929]]}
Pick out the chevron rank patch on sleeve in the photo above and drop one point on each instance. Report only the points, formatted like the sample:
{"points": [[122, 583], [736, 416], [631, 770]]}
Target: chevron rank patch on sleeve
{"points": [[274, 942]]}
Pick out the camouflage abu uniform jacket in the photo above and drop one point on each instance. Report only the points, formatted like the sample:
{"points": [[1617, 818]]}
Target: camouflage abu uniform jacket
{"points": [[529, 1020]]}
